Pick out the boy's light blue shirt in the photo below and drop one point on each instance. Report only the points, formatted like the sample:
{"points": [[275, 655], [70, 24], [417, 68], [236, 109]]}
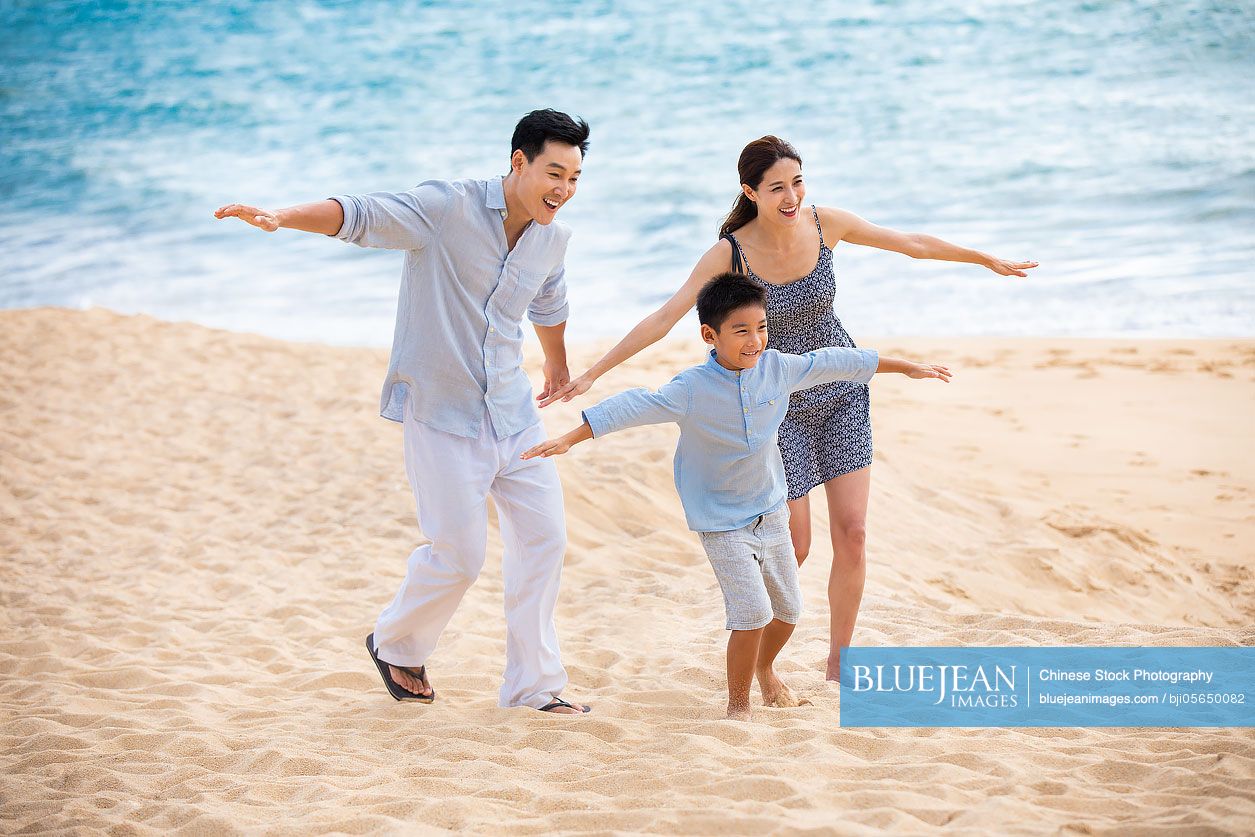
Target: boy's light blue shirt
{"points": [[728, 468], [458, 343]]}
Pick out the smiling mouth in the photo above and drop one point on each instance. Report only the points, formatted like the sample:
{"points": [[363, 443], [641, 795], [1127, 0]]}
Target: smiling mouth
{"points": [[552, 203], [754, 353], [790, 212]]}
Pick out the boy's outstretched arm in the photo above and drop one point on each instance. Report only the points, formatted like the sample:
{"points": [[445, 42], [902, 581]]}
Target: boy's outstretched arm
{"points": [[912, 369], [560, 445], [633, 408], [838, 363]]}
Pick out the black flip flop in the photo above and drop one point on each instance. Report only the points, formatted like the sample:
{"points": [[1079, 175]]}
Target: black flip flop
{"points": [[394, 688], [556, 702]]}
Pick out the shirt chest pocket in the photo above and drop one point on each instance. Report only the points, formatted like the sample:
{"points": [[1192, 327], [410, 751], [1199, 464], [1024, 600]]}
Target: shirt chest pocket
{"points": [[769, 409], [524, 285]]}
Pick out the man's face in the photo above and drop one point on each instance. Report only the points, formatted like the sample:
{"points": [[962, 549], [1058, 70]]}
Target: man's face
{"points": [[740, 341], [548, 182]]}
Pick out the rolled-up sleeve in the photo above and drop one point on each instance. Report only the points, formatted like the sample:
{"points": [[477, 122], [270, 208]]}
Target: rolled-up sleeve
{"points": [[549, 306], [822, 366], [395, 220], [637, 407]]}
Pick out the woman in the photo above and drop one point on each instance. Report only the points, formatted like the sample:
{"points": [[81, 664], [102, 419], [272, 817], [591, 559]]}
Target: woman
{"points": [[774, 238]]}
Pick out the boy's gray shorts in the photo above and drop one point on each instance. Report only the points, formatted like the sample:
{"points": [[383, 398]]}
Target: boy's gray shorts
{"points": [[757, 571]]}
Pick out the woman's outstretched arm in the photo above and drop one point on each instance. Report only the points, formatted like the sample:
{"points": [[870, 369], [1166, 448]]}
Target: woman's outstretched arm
{"points": [[846, 226], [655, 326]]}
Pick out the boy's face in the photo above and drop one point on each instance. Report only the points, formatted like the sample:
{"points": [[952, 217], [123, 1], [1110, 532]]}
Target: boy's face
{"points": [[548, 182], [740, 341]]}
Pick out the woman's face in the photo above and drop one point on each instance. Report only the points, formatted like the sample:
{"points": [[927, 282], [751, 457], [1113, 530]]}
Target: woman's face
{"points": [[779, 196]]}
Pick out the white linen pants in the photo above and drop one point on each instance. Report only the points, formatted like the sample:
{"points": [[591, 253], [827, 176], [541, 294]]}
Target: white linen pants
{"points": [[452, 477]]}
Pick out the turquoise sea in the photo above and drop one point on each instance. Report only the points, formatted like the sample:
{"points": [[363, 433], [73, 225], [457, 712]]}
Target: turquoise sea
{"points": [[1111, 141]]}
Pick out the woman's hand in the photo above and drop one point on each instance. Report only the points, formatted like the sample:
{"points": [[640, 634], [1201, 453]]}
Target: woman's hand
{"points": [[567, 391], [1006, 268], [928, 370], [263, 219]]}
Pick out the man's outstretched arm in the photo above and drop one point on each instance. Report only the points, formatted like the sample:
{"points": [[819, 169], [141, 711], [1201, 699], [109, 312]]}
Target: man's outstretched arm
{"points": [[326, 217]]}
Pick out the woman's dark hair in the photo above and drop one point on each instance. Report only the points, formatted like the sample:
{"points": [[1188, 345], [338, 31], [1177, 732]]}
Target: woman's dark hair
{"points": [[540, 126], [756, 158], [724, 294]]}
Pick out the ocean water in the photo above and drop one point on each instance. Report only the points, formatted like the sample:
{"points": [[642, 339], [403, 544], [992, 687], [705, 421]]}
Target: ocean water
{"points": [[1110, 141]]}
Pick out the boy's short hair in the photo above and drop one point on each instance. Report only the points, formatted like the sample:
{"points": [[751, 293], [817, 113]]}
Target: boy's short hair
{"points": [[724, 294], [540, 126]]}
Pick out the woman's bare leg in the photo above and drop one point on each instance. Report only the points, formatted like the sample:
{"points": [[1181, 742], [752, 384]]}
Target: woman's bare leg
{"points": [[847, 513], [800, 527]]}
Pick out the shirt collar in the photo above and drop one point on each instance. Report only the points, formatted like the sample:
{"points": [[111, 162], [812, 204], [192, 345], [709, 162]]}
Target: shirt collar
{"points": [[719, 367], [494, 195]]}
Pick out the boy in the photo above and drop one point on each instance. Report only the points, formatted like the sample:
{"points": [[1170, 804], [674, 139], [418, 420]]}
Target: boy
{"points": [[728, 469]]}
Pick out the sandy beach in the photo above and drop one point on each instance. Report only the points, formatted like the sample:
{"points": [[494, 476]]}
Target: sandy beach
{"points": [[198, 527]]}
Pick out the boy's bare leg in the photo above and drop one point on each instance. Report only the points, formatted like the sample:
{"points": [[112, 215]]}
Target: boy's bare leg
{"points": [[743, 649], [775, 693]]}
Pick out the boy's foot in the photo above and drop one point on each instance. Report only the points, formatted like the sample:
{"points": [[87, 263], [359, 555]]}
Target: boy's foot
{"points": [[775, 693], [738, 712], [834, 668]]}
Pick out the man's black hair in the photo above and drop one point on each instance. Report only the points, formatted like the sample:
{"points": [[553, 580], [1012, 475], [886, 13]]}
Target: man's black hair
{"points": [[540, 126], [724, 294]]}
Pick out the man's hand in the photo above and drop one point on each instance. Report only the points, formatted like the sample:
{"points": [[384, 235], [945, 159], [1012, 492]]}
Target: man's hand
{"points": [[263, 219], [927, 370], [567, 391], [557, 376]]}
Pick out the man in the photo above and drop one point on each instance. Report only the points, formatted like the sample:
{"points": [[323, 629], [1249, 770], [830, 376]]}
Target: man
{"points": [[479, 254]]}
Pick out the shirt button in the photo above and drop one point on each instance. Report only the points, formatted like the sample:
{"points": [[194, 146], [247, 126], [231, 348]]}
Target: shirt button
{"points": [[773, 401], [747, 411], [491, 330]]}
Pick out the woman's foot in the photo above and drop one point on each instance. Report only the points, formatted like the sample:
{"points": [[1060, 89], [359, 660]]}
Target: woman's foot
{"points": [[738, 711], [834, 667]]}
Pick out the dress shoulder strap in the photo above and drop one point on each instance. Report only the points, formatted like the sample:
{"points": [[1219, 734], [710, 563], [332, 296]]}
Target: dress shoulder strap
{"points": [[818, 226], [738, 261]]}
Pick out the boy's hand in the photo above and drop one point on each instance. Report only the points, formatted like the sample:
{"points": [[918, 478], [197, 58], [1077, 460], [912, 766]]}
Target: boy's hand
{"points": [[549, 447], [928, 370], [263, 219], [560, 445]]}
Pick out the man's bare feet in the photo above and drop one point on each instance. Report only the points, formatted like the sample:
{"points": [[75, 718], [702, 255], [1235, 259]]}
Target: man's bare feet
{"points": [[775, 693], [409, 682], [573, 709], [561, 706], [738, 711]]}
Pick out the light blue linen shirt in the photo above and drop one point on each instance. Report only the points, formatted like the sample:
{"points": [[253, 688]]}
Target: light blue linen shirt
{"points": [[728, 468], [458, 342]]}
